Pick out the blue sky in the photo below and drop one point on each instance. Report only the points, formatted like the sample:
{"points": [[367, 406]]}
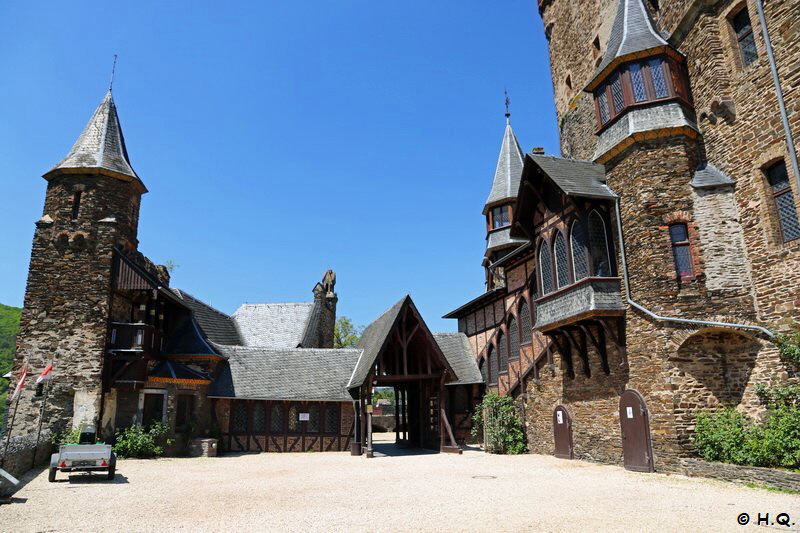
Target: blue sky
{"points": [[280, 139]]}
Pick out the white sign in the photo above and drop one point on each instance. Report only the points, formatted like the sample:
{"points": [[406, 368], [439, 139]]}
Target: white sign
{"points": [[560, 417], [629, 410], [303, 417]]}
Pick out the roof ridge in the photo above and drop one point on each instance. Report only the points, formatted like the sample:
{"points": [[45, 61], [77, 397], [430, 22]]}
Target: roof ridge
{"points": [[198, 300]]}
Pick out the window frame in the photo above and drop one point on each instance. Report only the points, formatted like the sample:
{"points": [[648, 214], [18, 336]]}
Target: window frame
{"points": [[491, 365], [592, 270], [545, 246], [777, 194], [744, 64], [674, 245], [513, 353], [584, 249], [559, 238], [505, 218], [502, 350], [525, 327]]}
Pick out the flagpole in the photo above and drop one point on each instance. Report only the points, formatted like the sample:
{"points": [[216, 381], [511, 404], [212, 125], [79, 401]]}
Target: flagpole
{"points": [[8, 430], [41, 419]]}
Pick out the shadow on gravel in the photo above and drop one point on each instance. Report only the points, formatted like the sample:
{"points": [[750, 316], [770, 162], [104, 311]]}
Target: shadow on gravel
{"points": [[390, 449], [84, 478]]}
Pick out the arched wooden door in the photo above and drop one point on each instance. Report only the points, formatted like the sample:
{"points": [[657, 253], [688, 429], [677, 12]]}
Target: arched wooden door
{"points": [[562, 432], [637, 450]]}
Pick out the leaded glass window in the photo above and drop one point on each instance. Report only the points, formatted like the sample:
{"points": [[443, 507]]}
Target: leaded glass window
{"points": [[276, 418], [502, 353], [598, 246], [602, 101], [239, 417], [259, 417], [482, 367], [313, 419], [637, 81], [562, 270], [546, 269], [491, 365], [500, 217], [293, 422], [513, 339], [659, 80], [744, 35], [525, 322], [580, 263], [332, 419], [616, 93], [778, 178], [681, 253]]}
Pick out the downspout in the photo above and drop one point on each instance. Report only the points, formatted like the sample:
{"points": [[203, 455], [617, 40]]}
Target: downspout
{"points": [[660, 318], [778, 92]]}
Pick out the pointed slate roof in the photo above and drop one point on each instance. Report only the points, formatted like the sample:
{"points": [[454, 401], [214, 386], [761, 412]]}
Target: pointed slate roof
{"points": [[280, 325], [508, 171], [707, 175], [100, 148], [633, 34]]}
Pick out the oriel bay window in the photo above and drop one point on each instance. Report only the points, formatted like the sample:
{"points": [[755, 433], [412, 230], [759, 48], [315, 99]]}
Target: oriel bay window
{"points": [[501, 216], [778, 179], [639, 83]]}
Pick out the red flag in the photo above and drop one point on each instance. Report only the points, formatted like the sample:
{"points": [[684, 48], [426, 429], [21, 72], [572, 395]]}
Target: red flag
{"points": [[46, 374], [20, 383]]}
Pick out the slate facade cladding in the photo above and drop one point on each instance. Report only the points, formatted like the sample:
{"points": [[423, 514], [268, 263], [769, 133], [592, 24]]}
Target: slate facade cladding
{"points": [[688, 163]]}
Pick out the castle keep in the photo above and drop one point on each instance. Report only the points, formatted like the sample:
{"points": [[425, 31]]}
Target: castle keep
{"points": [[638, 278]]}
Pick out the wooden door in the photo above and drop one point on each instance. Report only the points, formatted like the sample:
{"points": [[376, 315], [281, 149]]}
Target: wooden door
{"points": [[562, 433], [637, 449]]}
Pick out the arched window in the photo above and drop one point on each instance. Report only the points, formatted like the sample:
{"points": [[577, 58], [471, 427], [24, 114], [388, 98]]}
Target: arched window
{"points": [[580, 263], [545, 268], [598, 246], [525, 322], [562, 270], [502, 353], [491, 366], [482, 367], [513, 339]]}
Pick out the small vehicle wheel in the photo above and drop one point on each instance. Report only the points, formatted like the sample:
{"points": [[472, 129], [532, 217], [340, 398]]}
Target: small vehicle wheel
{"points": [[112, 468], [51, 476]]}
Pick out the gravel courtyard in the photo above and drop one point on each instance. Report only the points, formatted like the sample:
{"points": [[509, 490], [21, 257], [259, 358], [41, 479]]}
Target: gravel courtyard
{"points": [[337, 492]]}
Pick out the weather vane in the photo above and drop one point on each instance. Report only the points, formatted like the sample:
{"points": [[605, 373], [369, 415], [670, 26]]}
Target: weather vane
{"points": [[113, 69], [508, 105]]}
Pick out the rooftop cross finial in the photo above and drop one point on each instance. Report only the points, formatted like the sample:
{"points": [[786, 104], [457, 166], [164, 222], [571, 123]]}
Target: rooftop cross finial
{"points": [[113, 69], [508, 105]]}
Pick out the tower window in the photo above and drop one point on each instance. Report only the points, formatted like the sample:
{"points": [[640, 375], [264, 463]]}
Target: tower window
{"points": [[778, 179], [76, 204], [569, 82], [744, 35], [681, 253], [500, 217]]}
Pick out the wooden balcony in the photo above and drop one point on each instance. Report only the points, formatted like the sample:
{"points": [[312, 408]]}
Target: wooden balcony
{"points": [[589, 298], [133, 338]]}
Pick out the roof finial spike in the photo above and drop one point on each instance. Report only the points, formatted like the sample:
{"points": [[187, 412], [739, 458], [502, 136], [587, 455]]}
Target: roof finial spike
{"points": [[113, 69], [508, 105]]}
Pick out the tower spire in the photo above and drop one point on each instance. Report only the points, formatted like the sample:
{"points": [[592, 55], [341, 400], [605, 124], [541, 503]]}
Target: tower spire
{"points": [[113, 70]]}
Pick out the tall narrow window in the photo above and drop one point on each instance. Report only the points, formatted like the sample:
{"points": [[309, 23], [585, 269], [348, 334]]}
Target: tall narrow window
{"points": [[491, 365], [259, 417], [580, 264], [562, 270], [332, 419], [602, 102], [525, 322], [778, 179], [500, 217], [502, 354], [659, 80], [679, 236], [513, 339], [276, 418], [616, 94], [744, 35], [637, 81], [482, 367], [239, 417], [312, 426], [76, 204], [598, 246], [545, 268]]}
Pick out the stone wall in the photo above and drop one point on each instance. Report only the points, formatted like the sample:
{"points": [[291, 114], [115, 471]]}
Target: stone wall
{"points": [[779, 479], [20, 456]]}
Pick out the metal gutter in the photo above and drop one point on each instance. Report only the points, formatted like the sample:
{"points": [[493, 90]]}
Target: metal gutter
{"points": [[661, 318], [779, 92]]}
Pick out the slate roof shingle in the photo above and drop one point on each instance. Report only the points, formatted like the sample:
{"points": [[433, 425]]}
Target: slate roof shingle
{"points": [[296, 374], [509, 169], [281, 325], [575, 178], [708, 175], [372, 340], [216, 325], [457, 350]]}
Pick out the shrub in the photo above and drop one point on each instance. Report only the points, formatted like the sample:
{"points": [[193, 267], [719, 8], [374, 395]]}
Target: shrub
{"points": [[789, 345], [782, 395], [731, 437], [68, 436], [142, 443], [501, 425]]}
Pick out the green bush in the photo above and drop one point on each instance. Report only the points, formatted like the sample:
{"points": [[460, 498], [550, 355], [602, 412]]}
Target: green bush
{"points": [[789, 345], [68, 436], [142, 443], [732, 437], [497, 417]]}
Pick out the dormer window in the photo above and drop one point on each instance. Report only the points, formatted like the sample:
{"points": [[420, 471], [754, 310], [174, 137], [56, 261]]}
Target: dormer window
{"points": [[501, 217], [638, 83]]}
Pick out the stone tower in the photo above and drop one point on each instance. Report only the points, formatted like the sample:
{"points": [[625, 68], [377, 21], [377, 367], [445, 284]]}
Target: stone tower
{"points": [[500, 203], [91, 206]]}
